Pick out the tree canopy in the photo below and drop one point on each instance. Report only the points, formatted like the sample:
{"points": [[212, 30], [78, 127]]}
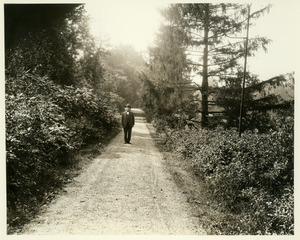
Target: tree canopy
{"points": [[212, 42], [22, 19], [124, 64]]}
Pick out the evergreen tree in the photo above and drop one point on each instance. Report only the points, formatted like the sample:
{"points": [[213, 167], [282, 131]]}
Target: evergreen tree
{"points": [[214, 32], [168, 75]]}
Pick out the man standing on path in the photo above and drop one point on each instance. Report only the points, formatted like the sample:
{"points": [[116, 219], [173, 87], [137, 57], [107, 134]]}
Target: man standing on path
{"points": [[127, 123]]}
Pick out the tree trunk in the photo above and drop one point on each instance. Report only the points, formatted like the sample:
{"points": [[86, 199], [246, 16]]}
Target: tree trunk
{"points": [[204, 92]]}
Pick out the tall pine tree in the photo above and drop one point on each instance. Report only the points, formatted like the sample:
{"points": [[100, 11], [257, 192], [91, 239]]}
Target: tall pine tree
{"points": [[169, 73], [214, 33]]}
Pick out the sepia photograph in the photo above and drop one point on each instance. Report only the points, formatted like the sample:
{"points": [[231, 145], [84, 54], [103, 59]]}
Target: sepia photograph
{"points": [[149, 119]]}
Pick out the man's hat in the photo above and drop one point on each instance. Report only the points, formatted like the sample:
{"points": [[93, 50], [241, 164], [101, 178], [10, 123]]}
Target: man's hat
{"points": [[127, 105]]}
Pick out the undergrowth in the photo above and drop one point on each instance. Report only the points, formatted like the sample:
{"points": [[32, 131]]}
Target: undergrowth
{"points": [[46, 126], [251, 177]]}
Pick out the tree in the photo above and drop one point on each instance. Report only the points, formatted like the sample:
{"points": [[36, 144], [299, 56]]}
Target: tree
{"points": [[55, 42], [228, 97], [214, 32], [24, 19], [168, 75], [123, 65]]}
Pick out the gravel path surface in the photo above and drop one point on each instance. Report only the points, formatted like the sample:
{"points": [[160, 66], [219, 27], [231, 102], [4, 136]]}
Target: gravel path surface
{"points": [[125, 190]]}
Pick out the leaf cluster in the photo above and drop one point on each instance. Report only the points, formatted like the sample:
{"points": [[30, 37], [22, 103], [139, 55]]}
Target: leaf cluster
{"points": [[251, 176], [45, 126]]}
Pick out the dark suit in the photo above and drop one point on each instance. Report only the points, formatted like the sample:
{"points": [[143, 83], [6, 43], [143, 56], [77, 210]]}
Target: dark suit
{"points": [[127, 124]]}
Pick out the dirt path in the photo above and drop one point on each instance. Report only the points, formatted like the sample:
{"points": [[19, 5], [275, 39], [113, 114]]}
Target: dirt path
{"points": [[126, 190]]}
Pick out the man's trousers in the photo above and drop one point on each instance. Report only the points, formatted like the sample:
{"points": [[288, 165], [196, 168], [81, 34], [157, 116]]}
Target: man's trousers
{"points": [[127, 134]]}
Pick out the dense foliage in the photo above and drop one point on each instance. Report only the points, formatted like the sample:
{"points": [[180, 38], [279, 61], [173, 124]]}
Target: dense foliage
{"points": [[61, 50], [251, 176], [56, 104], [22, 20], [166, 83], [45, 125]]}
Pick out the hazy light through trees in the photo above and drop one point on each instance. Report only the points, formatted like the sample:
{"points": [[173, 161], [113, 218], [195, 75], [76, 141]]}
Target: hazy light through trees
{"points": [[135, 22]]}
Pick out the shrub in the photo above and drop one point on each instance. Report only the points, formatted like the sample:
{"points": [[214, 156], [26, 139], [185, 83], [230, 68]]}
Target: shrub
{"points": [[251, 175], [37, 142], [45, 125]]}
